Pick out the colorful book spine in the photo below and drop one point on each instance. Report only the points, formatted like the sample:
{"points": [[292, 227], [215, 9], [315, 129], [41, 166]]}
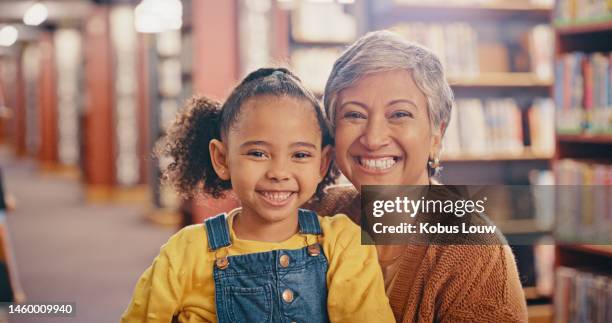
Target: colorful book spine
{"points": [[582, 295], [583, 93]]}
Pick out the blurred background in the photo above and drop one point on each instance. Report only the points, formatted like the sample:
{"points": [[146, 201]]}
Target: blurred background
{"points": [[88, 87]]}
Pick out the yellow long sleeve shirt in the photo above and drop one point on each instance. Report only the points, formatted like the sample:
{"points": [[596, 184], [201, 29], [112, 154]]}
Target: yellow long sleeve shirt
{"points": [[180, 280]]}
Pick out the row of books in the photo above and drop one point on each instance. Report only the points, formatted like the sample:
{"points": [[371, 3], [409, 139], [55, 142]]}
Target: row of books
{"points": [[464, 55], [583, 92], [322, 22], [582, 296], [456, 44], [495, 126], [568, 11], [583, 201], [314, 65], [475, 2]]}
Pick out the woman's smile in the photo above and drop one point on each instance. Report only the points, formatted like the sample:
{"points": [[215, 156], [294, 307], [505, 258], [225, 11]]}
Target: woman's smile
{"points": [[376, 164]]}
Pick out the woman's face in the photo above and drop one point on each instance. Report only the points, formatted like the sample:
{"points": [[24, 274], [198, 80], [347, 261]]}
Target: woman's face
{"points": [[383, 135]]}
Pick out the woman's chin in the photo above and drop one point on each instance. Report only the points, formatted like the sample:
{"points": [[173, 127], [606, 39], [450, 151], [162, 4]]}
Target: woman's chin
{"points": [[361, 179]]}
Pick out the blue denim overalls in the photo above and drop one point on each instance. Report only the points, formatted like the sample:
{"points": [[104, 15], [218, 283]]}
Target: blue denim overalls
{"points": [[273, 286]]}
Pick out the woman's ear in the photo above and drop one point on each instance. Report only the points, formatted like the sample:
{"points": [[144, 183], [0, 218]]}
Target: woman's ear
{"points": [[326, 157], [218, 157], [436, 142]]}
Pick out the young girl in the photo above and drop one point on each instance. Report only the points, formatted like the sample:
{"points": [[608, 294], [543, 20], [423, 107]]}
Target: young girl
{"points": [[268, 261]]}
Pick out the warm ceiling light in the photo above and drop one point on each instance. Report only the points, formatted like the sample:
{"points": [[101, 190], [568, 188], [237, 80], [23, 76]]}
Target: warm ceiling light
{"points": [[154, 16], [8, 35], [36, 14]]}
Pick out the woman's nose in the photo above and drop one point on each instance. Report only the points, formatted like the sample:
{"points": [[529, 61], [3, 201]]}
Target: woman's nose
{"points": [[277, 171], [376, 134]]}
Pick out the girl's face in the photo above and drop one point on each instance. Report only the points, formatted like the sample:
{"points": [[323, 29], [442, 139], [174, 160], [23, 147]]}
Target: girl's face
{"points": [[273, 156], [383, 136]]}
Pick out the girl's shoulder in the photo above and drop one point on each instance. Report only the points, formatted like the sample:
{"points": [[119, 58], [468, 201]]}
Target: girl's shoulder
{"points": [[190, 239]]}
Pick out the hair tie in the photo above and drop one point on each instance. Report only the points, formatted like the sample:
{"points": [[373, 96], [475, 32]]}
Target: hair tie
{"points": [[278, 73]]}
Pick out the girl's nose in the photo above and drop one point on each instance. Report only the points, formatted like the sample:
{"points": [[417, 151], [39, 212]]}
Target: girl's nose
{"points": [[278, 171], [376, 134]]}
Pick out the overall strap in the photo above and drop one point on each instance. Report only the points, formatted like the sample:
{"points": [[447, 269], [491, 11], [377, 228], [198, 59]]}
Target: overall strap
{"points": [[218, 232], [309, 222]]}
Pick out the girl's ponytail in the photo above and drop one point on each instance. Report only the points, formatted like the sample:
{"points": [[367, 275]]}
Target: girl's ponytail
{"points": [[190, 171]]}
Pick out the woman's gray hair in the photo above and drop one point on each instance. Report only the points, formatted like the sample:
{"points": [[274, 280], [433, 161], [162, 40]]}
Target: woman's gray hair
{"points": [[382, 51]]}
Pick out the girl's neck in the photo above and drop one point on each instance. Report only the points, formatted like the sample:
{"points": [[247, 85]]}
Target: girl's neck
{"points": [[249, 226]]}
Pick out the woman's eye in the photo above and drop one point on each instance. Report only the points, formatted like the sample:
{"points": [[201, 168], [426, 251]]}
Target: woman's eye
{"points": [[401, 114], [354, 115]]}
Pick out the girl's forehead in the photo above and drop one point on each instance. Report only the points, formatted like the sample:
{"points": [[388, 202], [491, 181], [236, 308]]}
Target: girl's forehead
{"points": [[277, 116]]}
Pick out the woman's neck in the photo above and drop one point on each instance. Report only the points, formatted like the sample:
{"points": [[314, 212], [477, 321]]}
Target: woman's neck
{"points": [[248, 225]]}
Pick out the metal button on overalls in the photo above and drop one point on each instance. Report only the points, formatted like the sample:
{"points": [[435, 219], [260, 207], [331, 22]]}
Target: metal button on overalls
{"points": [[284, 261], [288, 295]]}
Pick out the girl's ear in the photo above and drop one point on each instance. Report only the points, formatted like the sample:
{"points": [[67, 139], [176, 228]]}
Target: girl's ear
{"points": [[326, 158], [218, 157]]}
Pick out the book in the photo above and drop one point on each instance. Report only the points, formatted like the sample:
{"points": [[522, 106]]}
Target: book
{"points": [[494, 126], [583, 94], [583, 201], [581, 11], [582, 295], [456, 44]]}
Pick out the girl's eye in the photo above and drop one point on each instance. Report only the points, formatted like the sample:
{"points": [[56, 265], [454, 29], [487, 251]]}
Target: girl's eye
{"points": [[257, 154], [302, 155], [354, 115], [401, 114]]}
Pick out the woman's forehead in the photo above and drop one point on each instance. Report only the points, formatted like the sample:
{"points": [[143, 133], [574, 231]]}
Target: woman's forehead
{"points": [[383, 88]]}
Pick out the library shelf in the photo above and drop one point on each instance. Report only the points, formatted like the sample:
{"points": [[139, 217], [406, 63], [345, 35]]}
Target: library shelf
{"points": [[542, 313], [500, 80], [498, 10], [595, 250], [520, 226], [297, 42], [604, 26], [586, 37], [586, 138], [525, 156]]}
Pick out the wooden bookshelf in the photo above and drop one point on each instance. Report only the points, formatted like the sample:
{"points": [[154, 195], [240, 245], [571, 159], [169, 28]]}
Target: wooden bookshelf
{"points": [[596, 250], [586, 138], [586, 36], [509, 10], [297, 43], [501, 80], [525, 156], [520, 226], [588, 27]]}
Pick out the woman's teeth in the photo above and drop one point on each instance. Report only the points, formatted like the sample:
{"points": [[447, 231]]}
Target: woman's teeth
{"points": [[276, 196], [377, 163]]}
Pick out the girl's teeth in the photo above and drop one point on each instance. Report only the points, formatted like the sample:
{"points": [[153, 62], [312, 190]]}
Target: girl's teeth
{"points": [[276, 196], [377, 164]]}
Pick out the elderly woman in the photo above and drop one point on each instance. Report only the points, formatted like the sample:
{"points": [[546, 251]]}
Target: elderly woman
{"points": [[389, 104]]}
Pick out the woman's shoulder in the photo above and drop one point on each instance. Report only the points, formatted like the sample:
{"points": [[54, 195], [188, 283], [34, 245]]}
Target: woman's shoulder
{"points": [[337, 199]]}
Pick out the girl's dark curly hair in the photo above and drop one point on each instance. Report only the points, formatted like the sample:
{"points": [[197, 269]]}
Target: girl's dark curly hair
{"points": [[186, 143]]}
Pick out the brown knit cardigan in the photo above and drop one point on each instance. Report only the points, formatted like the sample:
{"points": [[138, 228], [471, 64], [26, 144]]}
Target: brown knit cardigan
{"points": [[455, 283]]}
